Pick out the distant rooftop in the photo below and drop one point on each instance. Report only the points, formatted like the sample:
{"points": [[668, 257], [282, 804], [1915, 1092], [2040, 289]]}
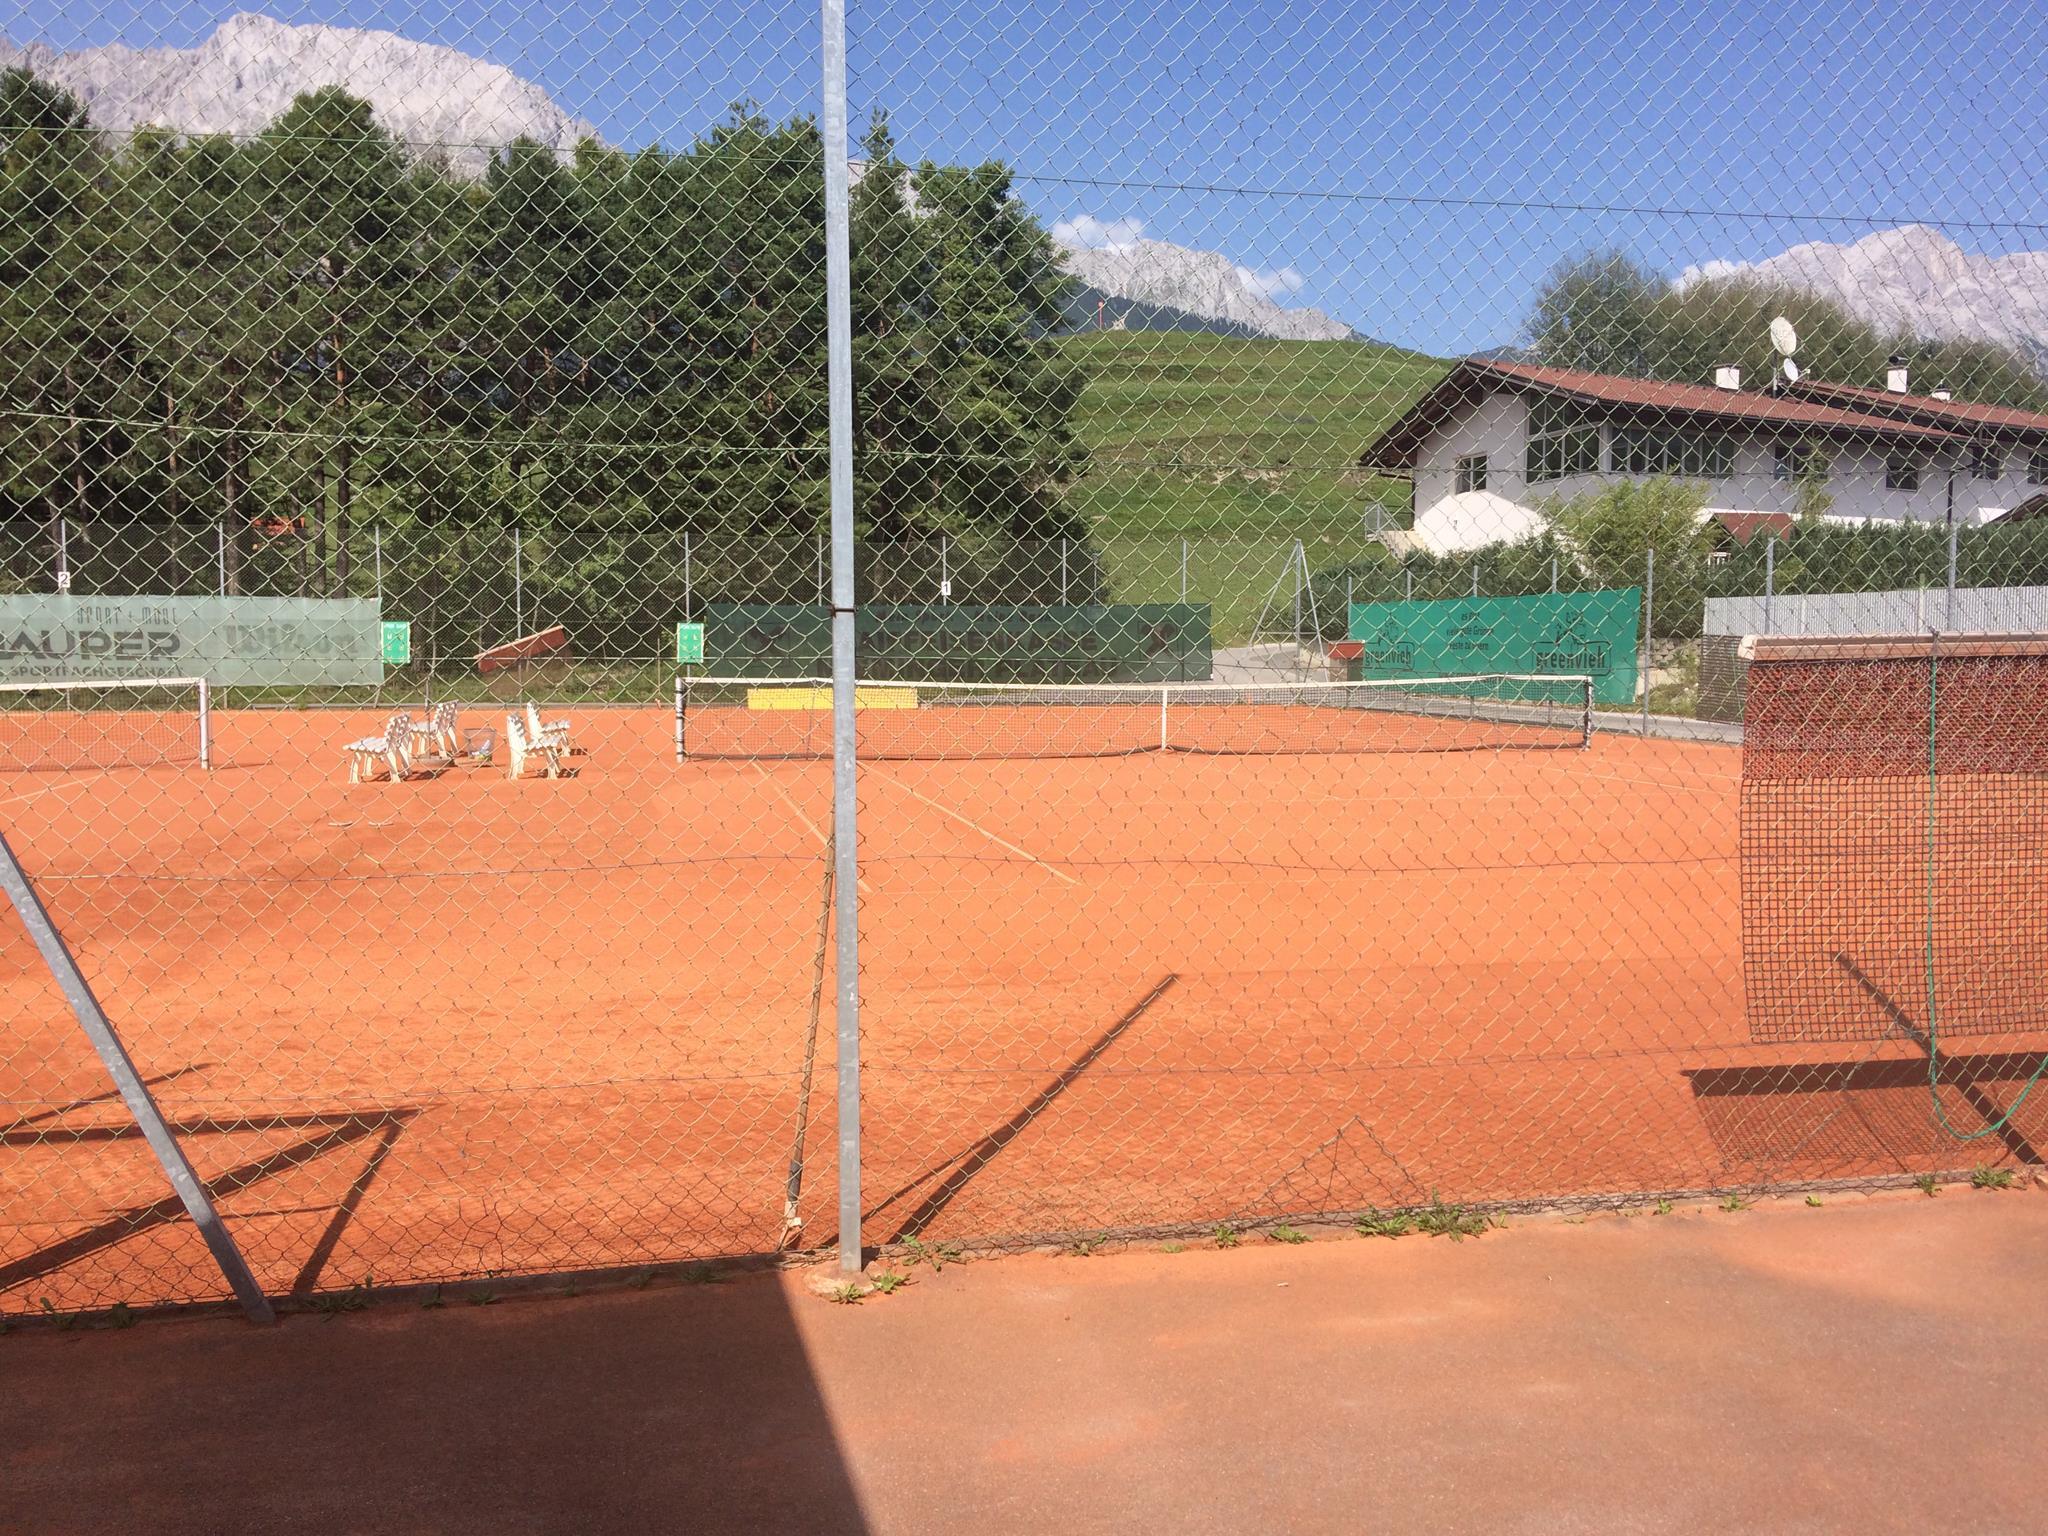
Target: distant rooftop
{"points": [[1471, 380], [1928, 410]]}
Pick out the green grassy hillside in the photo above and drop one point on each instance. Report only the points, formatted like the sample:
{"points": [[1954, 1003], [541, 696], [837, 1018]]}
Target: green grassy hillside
{"points": [[1240, 447]]}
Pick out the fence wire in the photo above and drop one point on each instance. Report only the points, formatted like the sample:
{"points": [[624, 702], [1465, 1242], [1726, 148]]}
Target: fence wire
{"points": [[1319, 486]]}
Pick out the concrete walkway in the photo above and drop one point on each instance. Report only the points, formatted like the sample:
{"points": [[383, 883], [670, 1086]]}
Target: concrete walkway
{"points": [[1876, 1365]]}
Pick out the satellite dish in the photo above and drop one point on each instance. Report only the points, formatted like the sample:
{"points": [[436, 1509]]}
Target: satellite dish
{"points": [[1790, 370], [1783, 337]]}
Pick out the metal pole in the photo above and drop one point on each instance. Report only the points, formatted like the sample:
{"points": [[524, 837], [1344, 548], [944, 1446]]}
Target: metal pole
{"points": [[1063, 571], [205, 727], [1407, 586], [435, 578], [1770, 584], [1649, 631], [686, 578], [92, 1018], [945, 581], [1300, 566], [679, 714], [63, 554], [1475, 578], [220, 547], [518, 588], [1553, 573], [1183, 570], [377, 560], [1949, 620], [845, 835]]}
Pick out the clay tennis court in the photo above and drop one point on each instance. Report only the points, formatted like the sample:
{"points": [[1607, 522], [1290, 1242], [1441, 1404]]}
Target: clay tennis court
{"points": [[463, 1027]]}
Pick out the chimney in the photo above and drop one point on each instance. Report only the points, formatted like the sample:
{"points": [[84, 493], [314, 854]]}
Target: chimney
{"points": [[1726, 377], [1895, 375], [1944, 393]]}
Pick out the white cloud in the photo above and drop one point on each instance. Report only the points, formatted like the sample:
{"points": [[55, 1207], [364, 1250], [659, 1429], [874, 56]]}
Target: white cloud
{"points": [[1274, 283], [1709, 272], [1092, 234]]}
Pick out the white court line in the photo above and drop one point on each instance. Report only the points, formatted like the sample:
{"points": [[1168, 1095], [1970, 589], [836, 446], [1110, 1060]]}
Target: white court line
{"points": [[1023, 853], [31, 794], [797, 811]]}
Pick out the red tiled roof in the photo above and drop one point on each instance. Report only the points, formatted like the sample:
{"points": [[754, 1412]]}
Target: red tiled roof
{"points": [[1957, 415], [1744, 526], [1472, 380]]}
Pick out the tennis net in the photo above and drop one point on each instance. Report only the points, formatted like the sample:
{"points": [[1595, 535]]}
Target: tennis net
{"points": [[792, 717], [1894, 836], [65, 725]]}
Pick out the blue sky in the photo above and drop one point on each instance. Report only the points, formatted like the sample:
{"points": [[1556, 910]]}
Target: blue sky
{"points": [[1413, 169]]}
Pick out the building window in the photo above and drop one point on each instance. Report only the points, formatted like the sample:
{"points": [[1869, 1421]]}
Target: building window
{"points": [[1562, 441], [2037, 467], [1471, 473], [1687, 453], [1901, 472], [1800, 460], [1986, 462]]}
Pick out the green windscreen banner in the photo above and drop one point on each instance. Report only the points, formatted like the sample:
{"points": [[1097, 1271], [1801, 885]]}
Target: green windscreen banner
{"points": [[1568, 634], [251, 641], [962, 642]]}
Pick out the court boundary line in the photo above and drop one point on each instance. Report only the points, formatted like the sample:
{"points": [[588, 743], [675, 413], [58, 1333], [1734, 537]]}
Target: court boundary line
{"points": [[966, 821], [824, 842]]}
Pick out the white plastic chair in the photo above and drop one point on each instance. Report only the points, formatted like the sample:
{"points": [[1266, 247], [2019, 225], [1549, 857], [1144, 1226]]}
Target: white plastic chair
{"points": [[555, 730], [393, 749], [439, 728], [521, 744]]}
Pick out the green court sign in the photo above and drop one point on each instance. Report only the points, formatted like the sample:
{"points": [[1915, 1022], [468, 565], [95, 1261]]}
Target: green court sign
{"points": [[1568, 634], [964, 642], [397, 642], [689, 645]]}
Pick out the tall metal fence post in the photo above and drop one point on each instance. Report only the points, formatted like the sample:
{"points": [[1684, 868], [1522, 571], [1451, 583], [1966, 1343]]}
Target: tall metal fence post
{"points": [[220, 553], [1407, 586], [1553, 573], [435, 576], [1770, 584], [1475, 578], [1300, 571], [1949, 618], [63, 554], [156, 1131], [518, 587], [686, 577], [377, 565], [1063, 571], [845, 839], [1183, 570], [945, 576], [1649, 630]]}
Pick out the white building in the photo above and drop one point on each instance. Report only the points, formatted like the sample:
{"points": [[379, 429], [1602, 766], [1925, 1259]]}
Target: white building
{"points": [[1493, 441]]}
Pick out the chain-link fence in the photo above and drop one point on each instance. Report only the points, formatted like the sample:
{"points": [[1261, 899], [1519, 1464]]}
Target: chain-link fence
{"points": [[1280, 656]]}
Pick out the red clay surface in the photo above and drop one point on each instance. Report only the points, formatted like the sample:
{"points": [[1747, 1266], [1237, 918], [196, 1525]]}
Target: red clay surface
{"points": [[1876, 1366], [464, 1026]]}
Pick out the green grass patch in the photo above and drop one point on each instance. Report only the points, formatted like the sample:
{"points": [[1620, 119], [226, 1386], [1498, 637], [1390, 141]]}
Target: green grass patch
{"points": [[1384, 1224], [1439, 1219], [1241, 447]]}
